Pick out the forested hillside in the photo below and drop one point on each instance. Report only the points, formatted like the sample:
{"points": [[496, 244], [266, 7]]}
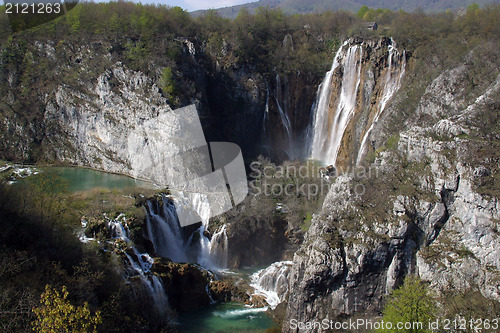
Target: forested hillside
{"points": [[317, 6]]}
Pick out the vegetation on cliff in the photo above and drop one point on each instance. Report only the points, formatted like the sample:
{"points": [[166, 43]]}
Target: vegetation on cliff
{"points": [[411, 303]]}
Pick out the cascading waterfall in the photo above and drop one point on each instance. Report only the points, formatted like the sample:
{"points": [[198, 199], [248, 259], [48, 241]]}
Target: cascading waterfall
{"points": [[218, 247], [329, 124], [140, 266], [166, 234], [272, 282], [393, 76]]}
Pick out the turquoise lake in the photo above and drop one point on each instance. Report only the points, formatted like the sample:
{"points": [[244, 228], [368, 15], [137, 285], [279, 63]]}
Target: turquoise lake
{"points": [[226, 317], [82, 179]]}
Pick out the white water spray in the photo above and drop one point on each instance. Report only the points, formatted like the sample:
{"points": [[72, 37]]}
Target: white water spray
{"points": [[140, 265]]}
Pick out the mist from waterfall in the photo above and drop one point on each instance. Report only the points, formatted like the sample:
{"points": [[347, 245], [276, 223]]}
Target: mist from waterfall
{"points": [[329, 123], [392, 83]]}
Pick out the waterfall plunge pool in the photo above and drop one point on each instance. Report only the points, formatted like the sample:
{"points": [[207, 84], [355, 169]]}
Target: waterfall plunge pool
{"points": [[226, 317]]}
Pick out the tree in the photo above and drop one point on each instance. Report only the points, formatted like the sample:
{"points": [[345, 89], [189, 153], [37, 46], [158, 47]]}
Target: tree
{"points": [[57, 314], [411, 303], [362, 11]]}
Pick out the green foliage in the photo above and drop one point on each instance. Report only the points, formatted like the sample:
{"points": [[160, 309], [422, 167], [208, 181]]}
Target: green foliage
{"points": [[73, 18], [167, 83], [472, 7], [468, 304], [39, 246], [57, 314], [362, 11], [137, 54], [411, 303]]}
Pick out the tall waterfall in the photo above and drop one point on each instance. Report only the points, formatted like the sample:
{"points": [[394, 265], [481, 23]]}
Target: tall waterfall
{"points": [[330, 123], [266, 111], [362, 80], [272, 282], [393, 76], [170, 241], [285, 120]]}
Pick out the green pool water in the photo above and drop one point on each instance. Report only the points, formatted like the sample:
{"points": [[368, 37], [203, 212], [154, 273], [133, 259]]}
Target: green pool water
{"points": [[225, 317], [82, 179]]}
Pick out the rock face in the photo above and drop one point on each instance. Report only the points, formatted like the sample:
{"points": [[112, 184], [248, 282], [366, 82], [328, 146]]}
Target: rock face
{"points": [[286, 116], [185, 284], [255, 241], [94, 129], [430, 207]]}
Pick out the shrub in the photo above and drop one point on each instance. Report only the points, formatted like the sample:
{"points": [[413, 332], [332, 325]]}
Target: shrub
{"points": [[57, 314]]}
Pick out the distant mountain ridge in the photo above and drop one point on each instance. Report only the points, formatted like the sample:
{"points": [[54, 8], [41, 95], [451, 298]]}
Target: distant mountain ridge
{"points": [[311, 6]]}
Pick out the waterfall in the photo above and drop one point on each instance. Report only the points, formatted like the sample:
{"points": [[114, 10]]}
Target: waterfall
{"points": [[392, 83], [330, 123], [272, 282], [321, 103], [266, 111], [165, 232], [218, 248], [151, 282], [140, 265], [169, 241], [285, 120]]}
